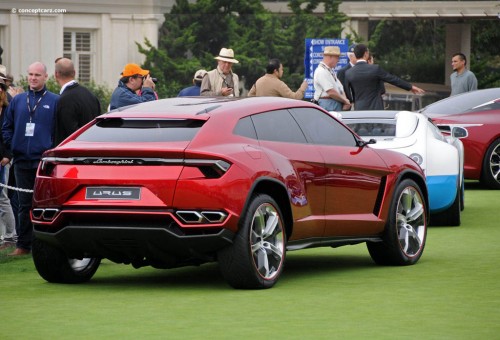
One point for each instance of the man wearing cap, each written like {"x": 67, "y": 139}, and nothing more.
{"x": 363, "y": 82}
{"x": 77, "y": 105}
{"x": 351, "y": 63}
{"x": 133, "y": 78}
{"x": 195, "y": 89}
{"x": 328, "y": 89}
{"x": 222, "y": 81}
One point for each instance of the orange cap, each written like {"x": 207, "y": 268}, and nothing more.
{"x": 133, "y": 69}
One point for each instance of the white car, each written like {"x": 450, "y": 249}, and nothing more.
{"x": 413, "y": 134}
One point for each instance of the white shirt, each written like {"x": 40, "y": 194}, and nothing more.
{"x": 69, "y": 83}
{"x": 325, "y": 79}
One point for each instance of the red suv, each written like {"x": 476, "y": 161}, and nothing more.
{"x": 185, "y": 181}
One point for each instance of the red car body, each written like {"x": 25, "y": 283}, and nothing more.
{"x": 171, "y": 183}
{"x": 479, "y": 113}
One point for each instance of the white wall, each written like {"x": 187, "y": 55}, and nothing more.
{"x": 116, "y": 26}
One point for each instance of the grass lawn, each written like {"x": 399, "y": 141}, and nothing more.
{"x": 453, "y": 292}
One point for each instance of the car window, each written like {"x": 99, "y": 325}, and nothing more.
{"x": 376, "y": 129}
{"x": 321, "y": 128}
{"x": 245, "y": 128}
{"x": 278, "y": 126}
{"x": 493, "y": 105}
{"x": 463, "y": 102}
{"x": 141, "y": 130}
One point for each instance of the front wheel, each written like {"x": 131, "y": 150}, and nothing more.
{"x": 490, "y": 175}
{"x": 405, "y": 233}
{"x": 54, "y": 266}
{"x": 256, "y": 258}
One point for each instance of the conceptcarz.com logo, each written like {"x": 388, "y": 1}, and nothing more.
{"x": 113, "y": 193}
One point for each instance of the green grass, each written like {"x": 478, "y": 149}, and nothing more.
{"x": 324, "y": 293}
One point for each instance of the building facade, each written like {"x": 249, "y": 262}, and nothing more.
{"x": 99, "y": 36}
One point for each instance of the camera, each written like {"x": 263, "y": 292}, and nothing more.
{"x": 155, "y": 80}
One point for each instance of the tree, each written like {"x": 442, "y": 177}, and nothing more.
{"x": 413, "y": 50}
{"x": 193, "y": 33}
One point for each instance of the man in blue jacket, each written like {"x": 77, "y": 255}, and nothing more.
{"x": 28, "y": 131}
{"x": 133, "y": 79}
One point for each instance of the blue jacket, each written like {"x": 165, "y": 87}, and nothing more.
{"x": 190, "y": 91}
{"x": 123, "y": 96}
{"x": 17, "y": 116}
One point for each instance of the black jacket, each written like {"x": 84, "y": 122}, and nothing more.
{"x": 363, "y": 85}
{"x": 77, "y": 106}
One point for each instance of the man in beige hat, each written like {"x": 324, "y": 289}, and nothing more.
{"x": 328, "y": 89}
{"x": 222, "y": 81}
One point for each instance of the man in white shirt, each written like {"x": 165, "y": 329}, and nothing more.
{"x": 328, "y": 89}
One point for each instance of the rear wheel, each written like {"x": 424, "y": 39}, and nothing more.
{"x": 54, "y": 266}
{"x": 255, "y": 260}
{"x": 490, "y": 174}
{"x": 405, "y": 233}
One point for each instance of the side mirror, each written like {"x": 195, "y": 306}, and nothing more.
{"x": 459, "y": 132}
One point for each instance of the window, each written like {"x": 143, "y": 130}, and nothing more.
{"x": 278, "y": 126}
{"x": 118, "y": 130}
{"x": 322, "y": 128}
{"x": 79, "y": 47}
{"x": 245, "y": 128}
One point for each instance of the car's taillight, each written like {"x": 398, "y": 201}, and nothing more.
{"x": 210, "y": 168}
{"x": 48, "y": 164}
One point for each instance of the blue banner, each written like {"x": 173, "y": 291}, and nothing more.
{"x": 314, "y": 55}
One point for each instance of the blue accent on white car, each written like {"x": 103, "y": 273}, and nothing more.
{"x": 442, "y": 191}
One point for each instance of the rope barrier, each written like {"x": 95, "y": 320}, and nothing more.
{"x": 15, "y": 188}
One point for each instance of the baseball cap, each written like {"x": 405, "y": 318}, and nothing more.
{"x": 133, "y": 69}
{"x": 199, "y": 74}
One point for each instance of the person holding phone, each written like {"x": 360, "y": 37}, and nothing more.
{"x": 222, "y": 81}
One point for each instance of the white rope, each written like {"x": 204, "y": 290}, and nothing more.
{"x": 15, "y": 189}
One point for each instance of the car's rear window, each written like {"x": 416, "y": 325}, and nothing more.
{"x": 141, "y": 130}
{"x": 387, "y": 129}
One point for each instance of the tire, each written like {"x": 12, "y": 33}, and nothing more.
{"x": 490, "y": 174}
{"x": 405, "y": 233}
{"x": 55, "y": 267}
{"x": 256, "y": 258}
{"x": 451, "y": 216}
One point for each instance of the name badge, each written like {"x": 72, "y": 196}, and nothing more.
{"x": 30, "y": 129}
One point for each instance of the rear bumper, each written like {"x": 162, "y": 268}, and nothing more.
{"x": 157, "y": 246}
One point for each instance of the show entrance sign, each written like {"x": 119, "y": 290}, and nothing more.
{"x": 314, "y": 55}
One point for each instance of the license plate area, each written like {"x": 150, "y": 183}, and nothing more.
{"x": 113, "y": 193}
